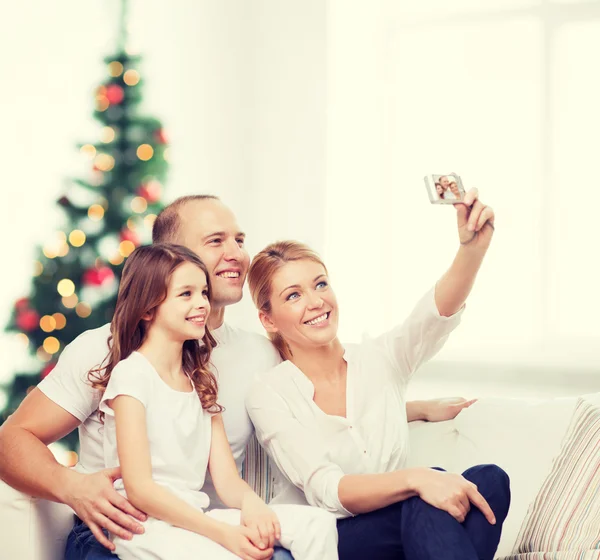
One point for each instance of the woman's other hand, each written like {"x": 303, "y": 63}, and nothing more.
{"x": 440, "y": 410}
{"x": 450, "y": 492}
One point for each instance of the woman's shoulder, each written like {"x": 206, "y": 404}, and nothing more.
{"x": 278, "y": 379}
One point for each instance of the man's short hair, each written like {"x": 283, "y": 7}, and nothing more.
{"x": 167, "y": 223}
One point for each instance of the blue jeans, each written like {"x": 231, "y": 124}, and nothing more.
{"x": 82, "y": 545}
{"x": 414, "y": 530}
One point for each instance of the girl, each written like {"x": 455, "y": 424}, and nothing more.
{"x": 333, "y": 417}
{"x": 163, "y": 427}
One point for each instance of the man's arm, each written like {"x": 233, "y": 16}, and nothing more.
{"x": 28, "y": 465}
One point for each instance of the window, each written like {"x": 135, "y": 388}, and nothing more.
{"x": 506, "y": 96}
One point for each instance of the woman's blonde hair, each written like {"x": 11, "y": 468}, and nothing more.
{"x": 144, "y": 283}
{"x": 260, "y": 278}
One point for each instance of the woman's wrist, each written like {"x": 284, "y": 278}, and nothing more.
{"x": 413, "y": 478}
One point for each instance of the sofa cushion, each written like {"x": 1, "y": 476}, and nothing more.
{"x": 564, "y": 519}
{"x": 522, "y": 436}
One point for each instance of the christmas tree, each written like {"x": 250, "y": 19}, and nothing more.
{"x": 106, "y": 216}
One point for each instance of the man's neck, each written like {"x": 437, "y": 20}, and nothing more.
{"x": 216, "y": 317}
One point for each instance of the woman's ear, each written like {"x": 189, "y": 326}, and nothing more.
{"x": 267, "y": 323}
{"x": 148, "y": 316}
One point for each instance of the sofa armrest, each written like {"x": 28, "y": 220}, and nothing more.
{"x": 32, "y": 529}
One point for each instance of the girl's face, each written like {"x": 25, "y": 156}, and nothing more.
{"x": 304, "y": 309}
{"x": 184, "y": 312}
{"x": 439, "y": 189}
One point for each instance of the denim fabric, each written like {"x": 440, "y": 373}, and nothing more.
{"x": 282, "y": 554}
{"x": 82, "y": 545}
{"x": 415, "y": 530}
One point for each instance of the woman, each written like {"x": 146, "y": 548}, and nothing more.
{"x": 333, "y": 417}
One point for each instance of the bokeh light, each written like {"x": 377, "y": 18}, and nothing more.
{"x": 66, "y": 287}
{"x": 70, "y": 301}
{"x": 104, "y": 162}
{"x": 149, "y": 220}
{"x": 77, "y": 238}
{"x": 88, "y": 150}
{"x": 96, "y": 212}
{"x": 83, "y": 309}
{"x": 116, "y": 259}
{"x": 139, "y": 204}
{"x": 115, "y": 68}
{"x": 126, "y": 248}
{"x": 107, "y": 134}
{"x": 47, "y": 323}
{"x": 51, "y": 345}
{"x": 131, "y": 77}
{"x": 38, "y": 268}
{"x": 102, "y": 103}
{"x": 60, "y": 321}
{"x": 145, "y": 152}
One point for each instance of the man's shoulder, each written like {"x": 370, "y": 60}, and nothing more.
{"x": 97, "y": 337}
{"x": 88, "y": 349}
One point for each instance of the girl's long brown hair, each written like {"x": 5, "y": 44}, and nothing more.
{"x": 144, "y": 284}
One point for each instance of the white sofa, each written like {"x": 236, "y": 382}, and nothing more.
{"x": 521, "y": 435}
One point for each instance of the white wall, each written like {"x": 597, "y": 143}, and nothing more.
{"x": 285, "y": 109}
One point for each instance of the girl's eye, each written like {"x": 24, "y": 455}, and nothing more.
{"x": 322, "y": 284}
{"x": 293, "y": 295}
{"x": 187, "y": 293}
{"x": 205, "y": 293}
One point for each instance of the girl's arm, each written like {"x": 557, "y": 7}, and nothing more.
{"x": 475, "y": 230}
{"x": 236, "y": 493}
{"x": 136, "y": 469}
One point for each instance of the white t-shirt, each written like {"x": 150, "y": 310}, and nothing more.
{"x": 178, "y": 429}
{"x": 239, "y": 356}
{"x": 314, "y": 450}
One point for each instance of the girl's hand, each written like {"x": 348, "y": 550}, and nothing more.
{"x": 240, "y": 541}
{"x": 452, "y": 493}
{"x": 475, "y": 221}
{"x": 440, "y": 410}
{"x": 261, "y": 519}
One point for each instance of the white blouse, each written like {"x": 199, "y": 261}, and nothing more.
{"x": 314, "y": 450}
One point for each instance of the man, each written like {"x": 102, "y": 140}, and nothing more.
{"x": 64, "y": 400}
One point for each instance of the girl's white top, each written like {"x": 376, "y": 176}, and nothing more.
{"x": 178, "y": 429}
{"x": 314, "y": 450}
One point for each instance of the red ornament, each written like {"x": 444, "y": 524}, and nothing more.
{"x": 98, "y": 276}
{"x": 130, "y": 235}
{"x": 151, "y": 191}
{"x": 115, "y": 94}
{"x": 28, "y": 320}
{"x": 48, "y": 369}
{"x": 160, "y": 136}
{"x": 22, "y": 304}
